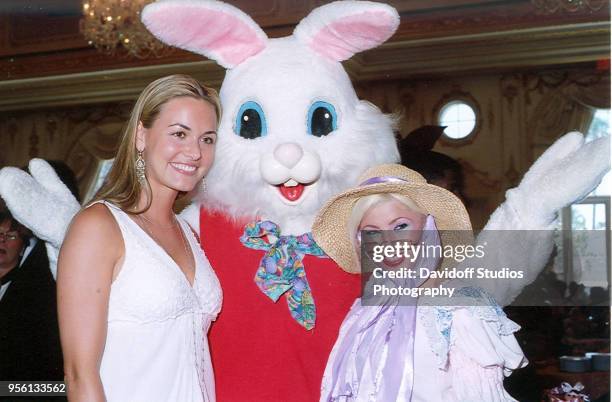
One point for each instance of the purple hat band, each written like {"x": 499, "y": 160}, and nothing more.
{"x": 383, "y": 179}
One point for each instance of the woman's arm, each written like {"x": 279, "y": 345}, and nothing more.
{"x": 88, "y": 257}
{"x": 483, "y": 350}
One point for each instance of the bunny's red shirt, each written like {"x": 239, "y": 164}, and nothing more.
{"x": 259, "y": 352}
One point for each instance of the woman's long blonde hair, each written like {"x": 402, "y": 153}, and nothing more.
{"x": 121, "y": 187}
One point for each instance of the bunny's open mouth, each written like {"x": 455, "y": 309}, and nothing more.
{"x": 292, "y": 190}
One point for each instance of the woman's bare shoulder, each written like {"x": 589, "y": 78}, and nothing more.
{"x": 96, "y": 219}
{"x": 95, "y": 228}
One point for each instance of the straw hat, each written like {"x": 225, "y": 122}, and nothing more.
{"x": 331, "y": 231}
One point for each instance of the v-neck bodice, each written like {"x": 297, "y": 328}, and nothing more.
{"x": 186, "y": 231}
{"x": 150, "y": 285}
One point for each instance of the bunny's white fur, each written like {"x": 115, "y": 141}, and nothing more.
{"x": 285, "y": 77}
{"x": 285, "y": 80}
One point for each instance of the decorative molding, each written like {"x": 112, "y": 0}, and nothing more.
{"x": 461, "y": 18}
{"x": 510, "y": 84}
{"x": 64, "y": 50}
{"x": 97, "y": 87}
{"x": 557, "y": 79}
{"x": 568, "y": 6}
{"x": 85, "y": 60}
{"x": 489, "y": 52}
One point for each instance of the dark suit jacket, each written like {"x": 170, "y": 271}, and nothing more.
{"x": 29, "y": 334}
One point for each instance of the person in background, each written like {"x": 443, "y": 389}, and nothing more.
{"x": 66, "y": 175}
{"x": 437, "y": 168}
{"x": 29, "y": 336}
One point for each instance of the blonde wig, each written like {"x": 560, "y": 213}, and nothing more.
{"x": 369, "y": 201}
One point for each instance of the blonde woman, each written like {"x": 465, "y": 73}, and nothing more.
{"x": 136, "y": 294}
{"x": 457, "y": 349}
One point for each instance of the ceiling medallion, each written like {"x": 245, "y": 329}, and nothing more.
{"x": 111, "y": 24}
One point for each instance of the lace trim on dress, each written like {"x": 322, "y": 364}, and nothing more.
{"x": 438, "y": 320}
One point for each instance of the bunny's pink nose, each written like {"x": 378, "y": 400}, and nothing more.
{"x": 288, "y": 154}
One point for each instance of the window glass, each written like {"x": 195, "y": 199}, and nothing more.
{"x": 600, "y": 127}
{"x": 459, "y": 118}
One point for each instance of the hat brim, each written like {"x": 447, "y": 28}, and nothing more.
{"x": 331, "y": 232}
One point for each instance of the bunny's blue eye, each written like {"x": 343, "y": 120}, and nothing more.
{"x": 322, "y": 119}
{"x": 250, "y": 121}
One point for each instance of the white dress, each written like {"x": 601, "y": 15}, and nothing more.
{"x": 156, "y": 343}
{"x": 462, "y": 352}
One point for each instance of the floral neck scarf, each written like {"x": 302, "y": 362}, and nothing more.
{"x": 281, "y": 270}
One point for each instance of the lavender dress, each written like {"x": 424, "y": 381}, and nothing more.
{"x": 457, "y": 352}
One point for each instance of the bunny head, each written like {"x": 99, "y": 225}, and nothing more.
{"x": 293, "y": 132}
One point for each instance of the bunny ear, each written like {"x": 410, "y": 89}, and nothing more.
{"x": 213, "y": 29}
{"x": 422, "y": 139}
{"x": 340, "y": 29}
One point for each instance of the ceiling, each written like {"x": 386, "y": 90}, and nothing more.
{"x": 45, "y": 60}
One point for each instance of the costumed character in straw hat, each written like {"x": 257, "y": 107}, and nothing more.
{"x": 293, "y": 135}
{"x": 404, "y": 348}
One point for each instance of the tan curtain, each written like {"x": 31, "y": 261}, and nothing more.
{"x": 595, "y": 96}
{"x": 570, "y": 107}
{"x": 95, "y": 145}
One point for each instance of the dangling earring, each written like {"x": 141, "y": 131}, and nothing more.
{"x": 140, "y": 167}
{"x": 203, "y": 187}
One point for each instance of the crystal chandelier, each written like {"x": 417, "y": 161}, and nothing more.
{"x": 110, "y": 24}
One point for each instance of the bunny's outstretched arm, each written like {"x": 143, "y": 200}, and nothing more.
{"x": 565, "y": 173}
{"x": 41, "y": 202}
